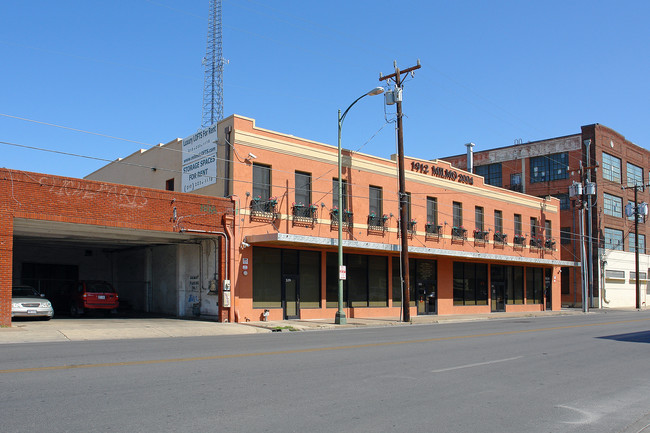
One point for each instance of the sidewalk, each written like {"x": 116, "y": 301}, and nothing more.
{"x": 316, "y": 324}
{"x": 85, "y": 329}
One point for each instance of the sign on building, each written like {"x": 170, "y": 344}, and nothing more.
{"x": 200, "y": 159}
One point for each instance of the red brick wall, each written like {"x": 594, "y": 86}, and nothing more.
{"x": 53, "y": 198}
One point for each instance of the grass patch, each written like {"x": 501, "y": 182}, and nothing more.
{"x": 282, "y": 328}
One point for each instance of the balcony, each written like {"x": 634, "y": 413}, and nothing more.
{"x": 432, "y": 231}
{"x": 536, "y": 243}
{"x": 346, "y": 217}
{"x": 264, "y": 210}
{"x": 549, "y": 244}
{"x": 481, "y": 237}
{"x": 410, "y": 228}
{"x": 458, "y": 234}
{"x": 303, "y": 215}
{"x": 377, "y": 224}
{"x": 500, "y": 239}
{"x": 519, "y": 242}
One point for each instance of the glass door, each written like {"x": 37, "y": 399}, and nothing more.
{"x": 290, "y": 296}
{"x": 498, "y": 286}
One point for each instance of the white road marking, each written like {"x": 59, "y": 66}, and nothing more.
{"x": 478, "y": 364}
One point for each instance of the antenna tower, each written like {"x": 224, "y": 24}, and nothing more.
{"x": 213, "y": 63}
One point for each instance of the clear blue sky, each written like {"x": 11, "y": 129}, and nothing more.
{"x": 492, "y": 72}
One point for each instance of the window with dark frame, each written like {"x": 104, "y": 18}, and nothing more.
{"x": 335, "y": 194}
{"x": 169, "y": 184}
{"x": 432, "y": 211}
{"x": 549, "y": 167}
{"x": 498, "y": 221}
{"x": 491, "y": 173}
{"x": 375, "y": 201}
{"x": 457, "y": 214}
{"x": 303, "y": 188}
{"x": 518, "y": 225}
{"x": 261, "y": 181}
{"x": 479, "y": 218}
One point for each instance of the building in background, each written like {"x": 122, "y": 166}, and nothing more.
{"x": 547, "y": 168}
{"x": 473, "y": 247}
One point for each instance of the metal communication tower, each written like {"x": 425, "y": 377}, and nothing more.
{"x": 213, "y": 63}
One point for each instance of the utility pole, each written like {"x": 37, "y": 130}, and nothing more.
{"x": 397, "y": 95}
{"x": 638, "y": 210}
{"x": 583, "y": 191}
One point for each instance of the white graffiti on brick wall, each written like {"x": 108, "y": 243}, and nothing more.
{"x": 126, "y": 197}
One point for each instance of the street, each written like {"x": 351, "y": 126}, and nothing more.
{"x": 579, "y": 373}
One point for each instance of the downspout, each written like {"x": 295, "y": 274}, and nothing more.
{"x": 226, "y": 189}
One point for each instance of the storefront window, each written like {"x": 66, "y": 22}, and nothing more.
{"x": 366, "y": 283}
{"x": 534, "y": 285}
{"x": 470, "y": 283}
{"x": 267, "y": 284}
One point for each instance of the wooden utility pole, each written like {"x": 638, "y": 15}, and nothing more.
{"x": 403, "y": 202}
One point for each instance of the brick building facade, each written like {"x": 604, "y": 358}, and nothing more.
{"x": 51, "y": 226}
{"x": 548, "y": 168}
{"x": 466, "y": 244}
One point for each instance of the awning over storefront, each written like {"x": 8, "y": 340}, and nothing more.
{"x": 285, "y": 239}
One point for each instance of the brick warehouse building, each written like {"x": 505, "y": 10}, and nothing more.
{"x": 547, "y": 168}
{"x": 467, "y": 247}
{"x": 164, "y": 252}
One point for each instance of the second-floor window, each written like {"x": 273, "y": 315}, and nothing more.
{"x": 432, "y": 210}
{"x": 303, "y": 188}
{"x": 458, "y": 214}
{"x": 518, "y": 226}
{"x": 375, "y": 201}
{"x": 261, "y": 181}
{"x": 335, "y": 194}
{"x": 498, "y": 221}
{"x": 611, "y": 168}
{"x": 547, "y": 229}
{"x": 479, "y": 218}
{"x": 534, "y": 230}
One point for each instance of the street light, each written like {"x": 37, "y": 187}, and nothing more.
{"x": 340, "y": 314}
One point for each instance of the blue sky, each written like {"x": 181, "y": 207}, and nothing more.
{"x": 492, "y": 72}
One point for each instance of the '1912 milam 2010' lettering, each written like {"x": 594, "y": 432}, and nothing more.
{"x": 443, "y": 173}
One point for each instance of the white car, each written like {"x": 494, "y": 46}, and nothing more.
{"x": 27, "y": 302}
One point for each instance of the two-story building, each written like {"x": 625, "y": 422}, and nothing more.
{"x": 473, "y": 247}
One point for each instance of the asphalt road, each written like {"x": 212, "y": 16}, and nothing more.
{"x": 586, "y": 373}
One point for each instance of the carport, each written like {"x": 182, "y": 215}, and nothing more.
{"x": 164, "y": 251}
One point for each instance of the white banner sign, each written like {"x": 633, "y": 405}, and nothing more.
{"x": 200, "y": 159}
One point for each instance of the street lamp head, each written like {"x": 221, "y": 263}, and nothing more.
{"x": 376, "y": 91}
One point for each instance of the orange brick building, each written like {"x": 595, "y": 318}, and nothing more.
{"x": 473, "y": 248}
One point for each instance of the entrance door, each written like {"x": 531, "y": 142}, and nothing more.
{"x": 548, "y": 272}
{"x": 426, "y": 297}
{"x": 498, "y": 282}
{"x": 498, "y": 296}
{"x": 290, "y": 296}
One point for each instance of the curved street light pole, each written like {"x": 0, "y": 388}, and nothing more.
{"x": 340, "y": 318}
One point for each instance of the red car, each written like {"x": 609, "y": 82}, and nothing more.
{"x": 93, "y": 295}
